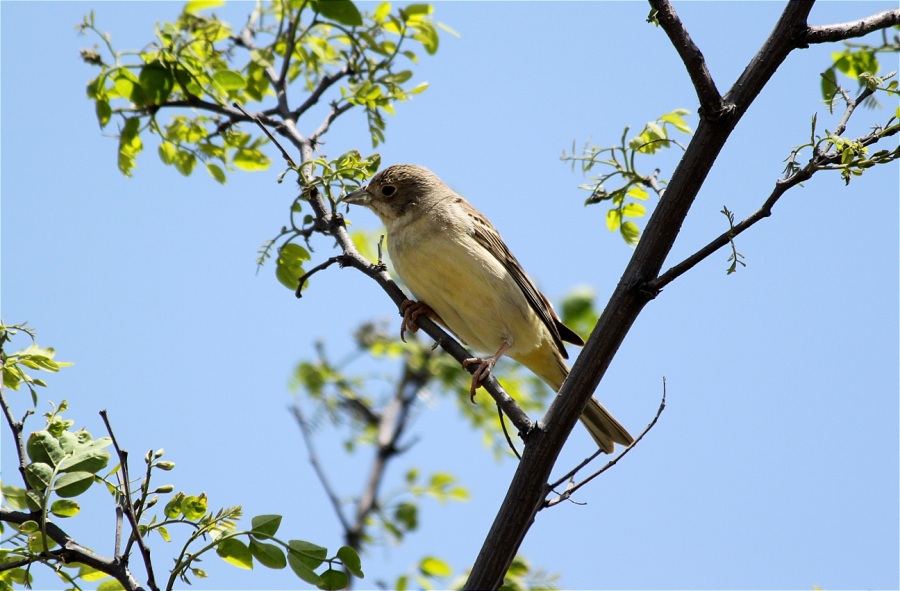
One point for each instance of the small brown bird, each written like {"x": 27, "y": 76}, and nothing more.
{"x": 465, "y": 278}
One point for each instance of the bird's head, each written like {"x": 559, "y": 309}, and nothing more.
{"x": 398, "y": 190}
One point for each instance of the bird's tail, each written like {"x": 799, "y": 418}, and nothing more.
{"x": 604, "y": 427}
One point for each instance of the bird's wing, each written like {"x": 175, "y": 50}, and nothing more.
{"x": 488, "y": 236}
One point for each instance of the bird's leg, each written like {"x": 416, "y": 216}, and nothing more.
{"x": 411, "y": 311}
{"x": 484, "y": 368}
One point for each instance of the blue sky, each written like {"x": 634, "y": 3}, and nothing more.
{"x": 776, "y": 462}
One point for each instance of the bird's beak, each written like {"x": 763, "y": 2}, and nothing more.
{"x": 358, "y": 197}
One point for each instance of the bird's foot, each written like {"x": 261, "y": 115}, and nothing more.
{"x": 411, "y": 311}
{"x": 480, "y": 374}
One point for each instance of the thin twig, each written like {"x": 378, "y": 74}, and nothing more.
{"x": 320, "y": 267}
{"x": 506, "y": 433}
{"x": 255, "y": 119}
{"x": 317, "y": 467}
{"x": 127, "y": 504}
{"x": 571, "y": 490}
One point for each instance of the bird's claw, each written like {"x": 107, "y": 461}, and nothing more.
{"x": 411, "y": 311}
{"x": 480, "y": 374}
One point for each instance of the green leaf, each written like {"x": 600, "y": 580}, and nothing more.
{"x": 350, "y": 560}
{"x": 195, "y": 6}
{"x": 634, "y": 210}
{"x": 434, "y": 567}
{"x": 341, "y": 11}
{"x": 229, "y": 80}
{"x": 235, "y": 552}
{"x": 250, "y": 159}
{"x": 333, "y": 579}
{"x": 37, "y": 541}
{"x": 39, "y": 475}
{"x": 381, "y": 12}
{"x": 90, "y": 574}
{"x": 185, "y": 162}
{"x": 29, "y": 527}
{"x": 164, "y": 533}
{"x": 636, "y": 192}
{"x": 301, "y": 570}
{"x": 173, "y": 507}
{"x": 417, "y": 9}
{"x": 42, "y": 446}
{"x": 72, "y": 484}
{"x": 91, "y": 461}
{"x": 167, "y": 152}
{"x": 265, "y": 526}
{"x": 630, "y": 232}
{"x": 129, "y": 145}
{"x": 216, "y": 172}
{"x": 128, "y": 86}
{"x": 194, "y": 507}
{"x": 408, "y": 515}
{"x": 308, "y": 553}
{"x": 613, "y": 219}
{"x": 65, "y": 508}
{"x": 110, "y": 585}
{"x": 156, "y": 82}
{"x": 14, "y": 496}
{"x": 103, "y": 111}
{"x": 679, "y": 123}
{"x": 268, "y": 555}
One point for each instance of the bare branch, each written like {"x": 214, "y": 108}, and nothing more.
{"x": 570, "y": 490}
{"x": 848, "y": 30}
{"x": 711, "y": 104}
{"x": 16, "y": 427}
{"x": 336, "y": 111}
{"x": 317, "y": 467}
{"x": 127, "y": 504}
{"x": 324, "y": 84}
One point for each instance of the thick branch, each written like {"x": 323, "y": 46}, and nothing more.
{"x": 710, "y": 100}
{"x": 526, "y": 492}
{"x": 864, "y": 26}
{"x": 72, "y": 552}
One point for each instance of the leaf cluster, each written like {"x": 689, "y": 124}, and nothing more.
{"x": 59, "y": 464}
{"x": 200, "y": 65}
{"x": 618, "y": 163}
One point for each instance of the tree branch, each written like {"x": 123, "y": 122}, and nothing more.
{"x": 72, "y": 552}
{"x": 571, "y": 474}
{"x": 127, "y": 505}
{"x": 527, "y": 489}
{"x": 711, "y": 104}
{"x": 317, "y": 467}
{"x": 816, "y": 163}
{"x": 848, "y": 30}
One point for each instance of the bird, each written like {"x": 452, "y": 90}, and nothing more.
{"x": 464, "y": 277}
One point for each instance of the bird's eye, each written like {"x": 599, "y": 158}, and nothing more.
{"x": 388, "y": 190}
